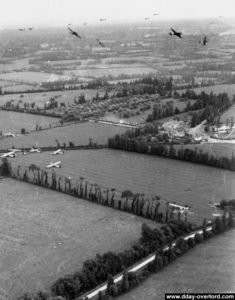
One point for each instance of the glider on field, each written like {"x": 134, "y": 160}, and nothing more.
{"x": 180, "y": 208}
{"x": 9, "y": 154}
{"x": 176, "y": 33}
{"x": 58, "y": 151}
{"x": 9, "y": 134}
{"x": 33, "y": 150}
{"x": 204, "y": 41}
{"x": 102, "y": 20}
{"x": 100, "y": 43}
{"x": 72, "y": 32}
{"x": 54, "y": 165}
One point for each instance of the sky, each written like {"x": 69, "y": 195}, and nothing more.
{"x": 44, "y": 13}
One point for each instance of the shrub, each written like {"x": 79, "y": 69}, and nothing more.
{"x": 198, "y": 238}
{"x": 191, "y": 242}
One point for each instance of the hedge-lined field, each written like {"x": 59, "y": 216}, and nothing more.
{"x": 46, "y": 235}
{"x": 208, "y": 268}
{"x": 185, "y": 183}
{"x": 13, "y": 121}
{"x": 78, "y": 133}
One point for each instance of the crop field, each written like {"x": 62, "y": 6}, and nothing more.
{"x": 32, "y": 77}
{"x": 46, "y": 235}
{"x": 208, "y": 268}
{"x": 42, "y": 97}
{"x": 13, "y": 121}
{"x": 183, "y": 182}
{"x": 78, "y": 133}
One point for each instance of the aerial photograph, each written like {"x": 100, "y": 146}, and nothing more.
{"x": 117, "y": 149}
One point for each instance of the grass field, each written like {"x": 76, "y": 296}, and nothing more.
{"x": 79, "y": 134}
{"x": 183, "y": 182}
{"x": 13, "y": 121}
{"x": 208, "y": 268}
{"x": 41, "y": 98}
{"x": 228, "y": 114}
{"x": 46, "y": 235}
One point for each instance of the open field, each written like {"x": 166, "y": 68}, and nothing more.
{"x": 46, "y": 235}
{"x": 42, "y": 97}
{"x": 13, "y": 121}
{"x": 208, "y": 268}
{"x": 32, "y": 77}
{"x": 78, "y": 133}
{"x": 183, "y": 182}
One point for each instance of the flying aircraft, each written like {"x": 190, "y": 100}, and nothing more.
{"x": 9, "y": 154}
{"x": 102, "y": 20}
{"x": 155, "y": 14}
{"x": 30, "y": 28}
{"x": 32, "y": 150}
{"x": 54, "y": 165}
{"x": 72, "y": 32}
{"x": 58, "y": 151}
{"x": 85, "y": 23}
{"x": 204, "y": 41}
{"x": 100, "y": 43}
{"x": 21, "y": 29}
{"x": 147, "y": 18}
{"x": 176, "y": 33}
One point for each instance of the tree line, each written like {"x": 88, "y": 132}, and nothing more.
{"x": 166, "y": 242}
{"x": 132, "y": 141}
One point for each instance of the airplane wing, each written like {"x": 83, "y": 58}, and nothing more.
{"x": 173, "y": 30}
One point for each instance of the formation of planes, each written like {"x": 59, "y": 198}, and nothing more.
{"x": 12, "y": 153}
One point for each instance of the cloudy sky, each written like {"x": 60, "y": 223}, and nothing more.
{"x": 61, "y": 12}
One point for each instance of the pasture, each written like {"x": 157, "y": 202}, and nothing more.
{"x": 172, "y": 180}
{"x": 13, "y": 121}
{"x": 228, "y": 113}
{"x": 78, "y": 133}
{"x": 209, "y": 267}
{"x": 41, "y": 98}
{"x": 46, "y": 235}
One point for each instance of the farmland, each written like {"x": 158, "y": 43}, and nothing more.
{"x": 185, "y": 183}
{"x": 14, "y": 121}
{"x": 210, "y": 267}
{"x": 39, "y": 243}
{"x": 78, "y": 133}
{"x": 42, "y": 97}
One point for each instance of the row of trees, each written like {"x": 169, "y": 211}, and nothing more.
{"x": 153, "y": 208}
{"x": 140, "y": 145}
{"x": 153, "y": 241}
